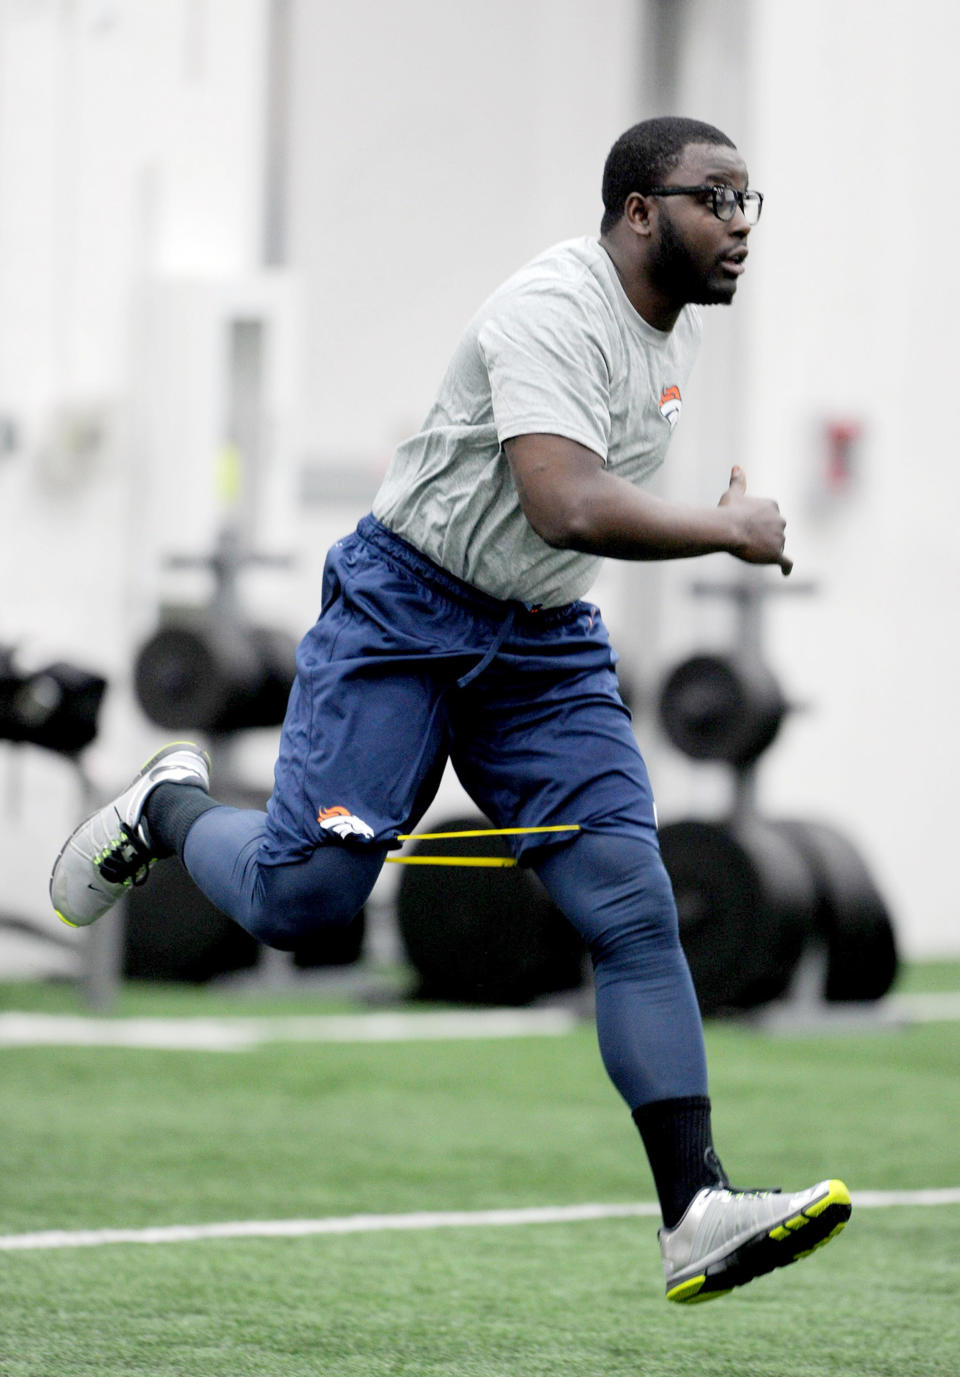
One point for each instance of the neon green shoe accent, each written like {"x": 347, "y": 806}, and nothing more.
{"x": 836, "y": 1195}
{"x": 66, "y": 920}
{"x": 687, "y": 1289}
{"x": 690, "y": 1292}
{"x": 785, "y": 1229}
{"x": 832, "y": 1234}
{"x": 163, "y": 751}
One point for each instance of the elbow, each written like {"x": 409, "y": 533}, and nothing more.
{"x": 563, "y": 527}
{"x": 557, "y": 529}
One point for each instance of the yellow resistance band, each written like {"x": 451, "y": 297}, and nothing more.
{"x": 499, "y": 861}
{"x": 452, "y": 860}
{"x": 487, "y": 832}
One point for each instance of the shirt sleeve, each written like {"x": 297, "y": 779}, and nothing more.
{"x": 549, "y": 367}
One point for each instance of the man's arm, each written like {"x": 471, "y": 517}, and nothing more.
{"x": 574, "y": 503}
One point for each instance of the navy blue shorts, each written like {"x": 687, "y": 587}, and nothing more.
{"x": 408, "y": 666}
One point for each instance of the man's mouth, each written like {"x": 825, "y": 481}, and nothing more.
{"x": 734, "y": 263}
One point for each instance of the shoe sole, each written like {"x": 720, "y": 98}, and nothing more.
{"x": 795, "y": 1238}
{"x": 159, "y": 755}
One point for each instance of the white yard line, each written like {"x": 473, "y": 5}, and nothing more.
{"x": 18, "y": 1029}
{"x": 242, "y": 1034}
{"x": 386, "y": 1223}
{"x": 925, "y": 1008}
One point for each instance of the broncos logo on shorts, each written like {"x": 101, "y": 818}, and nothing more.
{"x": 343, "y": 823}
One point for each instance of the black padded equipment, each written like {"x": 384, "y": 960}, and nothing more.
{"x": 722, "y": 707}
{"x": 746, "y": 901}
{"x": 483, "y": 936}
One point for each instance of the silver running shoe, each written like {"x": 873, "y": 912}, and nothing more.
{"x": 111, "y": 850}
{"x": 728, "y": 1237}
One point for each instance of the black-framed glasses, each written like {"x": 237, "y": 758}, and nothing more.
{"x": 725, "y": 199}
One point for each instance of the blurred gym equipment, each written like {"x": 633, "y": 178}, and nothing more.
{"x": 759, "y": 898}
{"x": 483, "y": 935}
{"x": 746, "y": 905}
{"x": 209, "y": 670}
{"x": 55, "y": 706}
{"x": 722, "y": 707}
{"x": 202, "y": 674}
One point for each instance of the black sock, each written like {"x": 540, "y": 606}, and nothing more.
{"x": 679, "y": 1144}
{"x": 170, "y": 812}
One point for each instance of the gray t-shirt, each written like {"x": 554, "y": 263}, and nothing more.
{"x": 557, "y": 350}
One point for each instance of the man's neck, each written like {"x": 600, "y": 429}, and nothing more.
{"x": 646, "y": 300}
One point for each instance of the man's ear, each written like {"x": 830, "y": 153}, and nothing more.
{"x": 636, "y": 212}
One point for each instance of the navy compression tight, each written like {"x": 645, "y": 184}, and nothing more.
{"x": 613, "y": 889}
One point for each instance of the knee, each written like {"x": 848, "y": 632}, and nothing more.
{"x": 635, "y": 915}
{"x": 611, "y": 885}
{"x": 296, "y": 903}
{"x": 292, "y": 926}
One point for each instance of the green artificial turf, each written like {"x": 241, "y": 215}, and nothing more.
{"x": 105, "y": 1137}
{"x": 580, "y": 1299}
{"x": 98, "y": 1137}
{"x": 348, "y": 990}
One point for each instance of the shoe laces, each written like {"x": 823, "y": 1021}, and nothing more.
{"x": 128, "y": 861}
{"x": 759, "y": 1192}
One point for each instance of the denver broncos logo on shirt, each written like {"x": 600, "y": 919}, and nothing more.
{"x": 671, "y": 405}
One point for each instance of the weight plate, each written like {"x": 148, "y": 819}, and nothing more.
{"x": 721, "y": 707}
{"x": 851, "y": 916}
{"x": 483, "y": 936}
{"x": 746, "y": 902}
{"x": 207, "y": 675}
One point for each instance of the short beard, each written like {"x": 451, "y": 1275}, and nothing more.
{"x": 674, "y": 271}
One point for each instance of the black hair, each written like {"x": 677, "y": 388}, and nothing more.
{"x": 643, "y": 156}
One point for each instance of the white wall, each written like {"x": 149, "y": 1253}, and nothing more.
{"x": 130, "y": 139}
{"x": 435, "y": 147}
{"x": 853, "y": 303}
{"x": 131, "y": 149}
